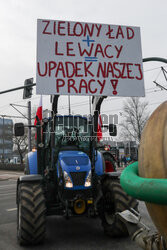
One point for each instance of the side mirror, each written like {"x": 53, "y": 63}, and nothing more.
{"x": 19, "y": 129}
{"x": 112, "y": 130}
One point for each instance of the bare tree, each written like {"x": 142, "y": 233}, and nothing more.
{"x": 135, "y": 115}
{"x": 21, "y": 144}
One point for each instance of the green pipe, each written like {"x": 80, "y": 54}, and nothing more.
{"x": 145, "y": 189}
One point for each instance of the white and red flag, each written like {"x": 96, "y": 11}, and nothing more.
{"x": 39, "y": 111}
{"x": 39, "y": 114}
{"x": 99, "y": 129}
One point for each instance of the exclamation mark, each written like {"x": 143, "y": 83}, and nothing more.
{"x": 114, "y": 84}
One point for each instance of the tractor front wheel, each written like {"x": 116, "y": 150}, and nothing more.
{"x": 115, "y": 200}
{"x": 30, "y": 214}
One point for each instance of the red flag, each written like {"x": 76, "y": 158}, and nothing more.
{"x": 99, "y": 129}
{"x": 39, "y": 114}
{"x": 39, "y": 111}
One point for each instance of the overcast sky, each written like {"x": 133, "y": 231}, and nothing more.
{"x": 18, "y": 28}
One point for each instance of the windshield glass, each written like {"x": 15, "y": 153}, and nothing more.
{"x": 72, "y": 131}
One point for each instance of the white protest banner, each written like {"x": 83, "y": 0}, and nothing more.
{"x": 75, "y": 58}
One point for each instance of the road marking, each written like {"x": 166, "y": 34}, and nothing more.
{"x": 5, "y": 198}
{"x": 11, "y": 209}
{"x": 7, "y": 194}
{"x": 4, "y": 186}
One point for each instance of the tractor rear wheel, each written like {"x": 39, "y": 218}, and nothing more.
{"x": 115, "y": 200}
{"x": 30, "y": 214}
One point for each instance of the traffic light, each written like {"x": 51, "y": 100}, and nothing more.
{"x": 19, "y": 129}
{"x": 27, "y": 93}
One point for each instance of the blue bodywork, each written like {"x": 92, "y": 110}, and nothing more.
{"x": 77, "y": 161}
{"x": 70, "y": 161}
{"x": 99, "y": 164}
{"x": 74, "y": 161}
{"x": 32, "y": 162}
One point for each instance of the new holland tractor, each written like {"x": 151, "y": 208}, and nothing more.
{"x": 68, "y": 176}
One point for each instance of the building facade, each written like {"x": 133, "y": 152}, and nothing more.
{"x": 6, "y": 139}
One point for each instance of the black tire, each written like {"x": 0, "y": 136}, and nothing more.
{"x": 115, "y": 200}
{"x": 30, "y": 214}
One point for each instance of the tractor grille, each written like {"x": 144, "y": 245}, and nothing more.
{"x": 78, "y": 178}
{"x": 76, "y": 161}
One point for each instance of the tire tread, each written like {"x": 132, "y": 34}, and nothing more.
{"x": 33, "y": 209}
{"x": 121, "y": 201}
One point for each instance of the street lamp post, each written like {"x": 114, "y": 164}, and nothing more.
{"x": 29, "y": 126}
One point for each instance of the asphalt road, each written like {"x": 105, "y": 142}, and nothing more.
{"x": 82, "y": 233}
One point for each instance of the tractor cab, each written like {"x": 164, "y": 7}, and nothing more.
{"x": 72, "y": 133}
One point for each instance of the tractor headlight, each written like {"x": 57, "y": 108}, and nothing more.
{"x": 67, "y": 180}
{"x": 88, "y": 180}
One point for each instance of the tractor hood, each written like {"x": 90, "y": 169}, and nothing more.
{"x": 74, "y": 161}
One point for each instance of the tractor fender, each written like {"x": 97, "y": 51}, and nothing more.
{"x": 30, "y": 178}
{"x": 104, "y": 152}
{"x": 108, "y": 156}
{"x": 99, "y": 164}
{"x": 31, "y": 163}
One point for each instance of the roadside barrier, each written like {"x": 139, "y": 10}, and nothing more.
{"x": 12, "y": 167}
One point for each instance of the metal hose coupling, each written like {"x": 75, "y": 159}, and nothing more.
{"x": 140, "y": 233}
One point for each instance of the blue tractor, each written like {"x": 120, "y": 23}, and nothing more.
{"x": 68, "y": 176}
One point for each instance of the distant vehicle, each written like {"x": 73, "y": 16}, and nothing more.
{"x": 15, "y": 160}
